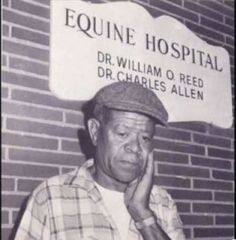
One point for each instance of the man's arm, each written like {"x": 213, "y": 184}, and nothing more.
{"x": 35, "y": 222}
{"x": 153, "y": 232}
{"x": 137, "y": 197}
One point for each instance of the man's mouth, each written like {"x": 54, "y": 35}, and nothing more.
{"x": 131, "y": 164}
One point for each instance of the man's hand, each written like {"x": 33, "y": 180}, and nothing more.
{"x": 136, "y": 197}
{"x": 137, "y": 193}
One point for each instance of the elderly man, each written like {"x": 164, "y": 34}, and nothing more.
{"x": 111, "y": 196}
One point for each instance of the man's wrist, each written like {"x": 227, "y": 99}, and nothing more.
{"x": 145, "y": 222}
{"x": 140, "y": 214}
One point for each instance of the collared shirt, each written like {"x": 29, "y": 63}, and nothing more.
{"x": 70, "y": 207}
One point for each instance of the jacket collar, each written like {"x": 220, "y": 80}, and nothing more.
{"x": 82, "y": 178}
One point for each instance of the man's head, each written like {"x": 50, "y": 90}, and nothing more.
{"x": 122, "y": 129}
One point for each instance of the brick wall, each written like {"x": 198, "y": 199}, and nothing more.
{"x": 39, "y": 131}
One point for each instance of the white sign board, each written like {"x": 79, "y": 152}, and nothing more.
{"x": 93, "y": 45}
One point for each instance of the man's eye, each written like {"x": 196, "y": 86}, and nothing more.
{"x": 122, "y": 134}
{"x": 146, "y": 139}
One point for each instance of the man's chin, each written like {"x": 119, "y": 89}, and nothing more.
{"x": 126, "y": 175}
{"x": 126, "y": 179}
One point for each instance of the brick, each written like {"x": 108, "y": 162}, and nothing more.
{"x": 232, "y": 61}
{"x": 31, "y": 8}
{"x": 46, "y": 157}
{"x": 155, "y": 13}
{"x": 212, "y": 208}
{"x": 24, "y": 50}
{"x": 210, "y": 41}
{"x": 205, "y": 31}
{"x": 170, "y": 157}
{"x": 224, "y": 132}
{"x": 208, "y": 184}
{"x": 213, "y": 232}
{"x": 13, "y": 200}
{"x": 224, "y": 196}
{"x": 5, "y": 217}
{"x": 177, "y": 2}
{"x": 26, "y": 21}
{"x": 28, "y": 35}
{"x": 27, "y": 185}
{"x": 7, "y": 184}
{"x": 193, "y": 126}
{"x": 230, "y": 50}
{"x": 220, "y": 153}
{"x": 229, "y": 40}
{"x": 31, "y": 111}
{"x": 74, "y": 118}
{"x": 174, "y": 9}
{"x": 183, "y": 171}
{"x": 172, "y": 181}
{"x": 223, "y": 175}
{"x": 4, "y": 60}
{"x": 3, "y": 153}
{"x": 5, "y": 3}
{"x": 183, "y": 207}
{"x": 230, "y": 3}
{"x": 66, "y": 170}
{"x": 29, "y": 66}
{"x": 202, "y": 10}
{"x": 45, "y": 99}
{"x": 4, "y": 92}
{"x": 5, "y": 233}
{"x": 16, "y": 215}
{"x": 216, "y": 25}
{"x": 29, "y": 141}
{"x": 190, "y": 195}
{"x": 24, "y": 80}
{"x": 187, "y": 232}
{"x": 196, "y": 220}
{"x": 41, "y": 128}
{"x": 217, "y": 7}
{"x": 71, "y": 146}
{"x": 208, "y": 162}
{"x": 45, "y": 2}
{"x": 224, "y": 220}
{"x": 209, "y": 140}
{"x": 15, "y": 169}
{"x": 5, "y": 30}
{"x": 230, "y": 22}
{"x": 179, "y": 147}
{"x": 232, "y": 144}
{"x": 172, "y": 134}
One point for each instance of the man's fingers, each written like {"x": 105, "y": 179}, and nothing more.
{"x": 149, "y": 168}
{"x": 131, "y": 186}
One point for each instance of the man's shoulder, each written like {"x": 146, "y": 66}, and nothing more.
{"x": 52, "y": 186}
{"x": 161, "y": 196}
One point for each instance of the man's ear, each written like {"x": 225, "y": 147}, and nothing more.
{"x": 93, "y": 127}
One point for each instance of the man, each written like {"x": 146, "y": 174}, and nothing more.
{"x": 112, "y": 195}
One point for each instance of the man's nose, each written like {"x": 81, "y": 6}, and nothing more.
{"x": 133, "y": 145}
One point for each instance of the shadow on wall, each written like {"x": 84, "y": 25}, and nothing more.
{"x": 18, "y": 219}
{"x": 85, "y": 142}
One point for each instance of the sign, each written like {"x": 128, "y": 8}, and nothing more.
{"x": 93, "y": 45}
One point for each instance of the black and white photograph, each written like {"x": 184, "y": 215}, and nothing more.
{"x": 117, "y": 120}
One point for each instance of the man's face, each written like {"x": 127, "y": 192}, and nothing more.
{"x": 123, "y": 145}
